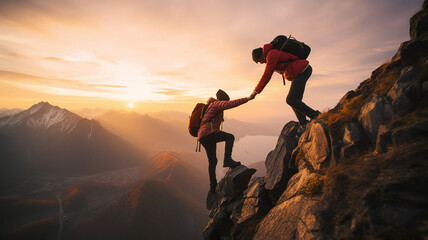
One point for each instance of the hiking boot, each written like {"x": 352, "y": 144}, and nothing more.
{"x": 229, "y": 162}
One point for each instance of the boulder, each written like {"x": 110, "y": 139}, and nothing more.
{"x": 212, "y": 200}
{"x": 296, "y": 185}
{"x": 217, "y": 226}
{"x": 234, "y": 183}
{"x": 278, "y": 160}
{"x": 255, "y": 206}
{"x": 375, "y": 112}
{"x": 419, "y": 23}
{"x": 292, "y": 219}
{"x": 226, "y": 203}
{"x": 405, "y": 92}
{"x": 354, "y": 140}
{"x": 414, "y": 132}
{"x": 314, "y": 147}
{"x": 413, "y": 50}
{"x": 349, "y": 95}
{"x": 383, "y": 139}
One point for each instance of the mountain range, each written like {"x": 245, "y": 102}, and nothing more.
{"x": 46, "y": 139}
{"x": 151, "y": 210}
{"x": 169, "y": 193}
{"x": 168, "y": 130}
{"x": 68, "y": 177}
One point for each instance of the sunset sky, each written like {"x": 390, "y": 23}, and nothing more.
{"x": 156, "y": 55}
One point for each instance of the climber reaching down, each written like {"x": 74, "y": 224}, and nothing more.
{"x": 294, "y": 69}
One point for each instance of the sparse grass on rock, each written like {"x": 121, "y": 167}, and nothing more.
{"x": 347, "y": 110}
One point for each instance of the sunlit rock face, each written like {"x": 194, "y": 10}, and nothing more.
{"x": 361, "y": 179}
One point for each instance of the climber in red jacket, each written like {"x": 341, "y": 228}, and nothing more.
{"x": 209, "y": 133}
{"x": 297, "y": 70}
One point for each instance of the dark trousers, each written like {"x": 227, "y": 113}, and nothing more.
{"x": 295, "y": 96}
{"x": 210, "y": 144}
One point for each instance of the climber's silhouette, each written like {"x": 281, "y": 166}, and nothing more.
{"x": 209, "y": 133}
{"x": 294, "y": 69}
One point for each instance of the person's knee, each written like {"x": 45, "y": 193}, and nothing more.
{"x": 231, "y": 137}
{"x": 290, "y": 100}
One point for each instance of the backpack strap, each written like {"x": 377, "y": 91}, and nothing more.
{"x": 283, "y": 45}
{"x": 288, "y": 61}
{"x": 198, "y": 144}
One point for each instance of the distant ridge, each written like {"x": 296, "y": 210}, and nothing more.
{"x": 56, "y": 140}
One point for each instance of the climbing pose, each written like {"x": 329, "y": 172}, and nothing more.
{"x": 293, "y": 69}
{"x": 209, "y": 133}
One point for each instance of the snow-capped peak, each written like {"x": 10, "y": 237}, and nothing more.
{"x": 43, "y": 116}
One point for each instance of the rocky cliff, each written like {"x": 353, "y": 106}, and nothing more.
{"x": 357, "y": 172}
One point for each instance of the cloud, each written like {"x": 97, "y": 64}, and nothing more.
{"x": 34, "y": 15}
{"x": 34, "y": 82}
{"x": 171, "y": 91}
{"x": 9, "y": 53}
{"x": 55, "y": 59}
{"x": 179, "y": 49}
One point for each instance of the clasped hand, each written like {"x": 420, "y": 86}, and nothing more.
{"x": 252, "y": 96}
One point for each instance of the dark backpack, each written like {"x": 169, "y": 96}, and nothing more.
{"x": 291, "y": 45}
{"x": 195, "y": 118}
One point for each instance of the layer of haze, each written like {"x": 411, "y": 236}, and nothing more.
{"x": 168, "y": 54}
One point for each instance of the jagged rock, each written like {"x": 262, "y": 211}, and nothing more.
{"x": 235, "y": 181}
{"x": 349, "y": 95}
{"x": 374, "y": 196}
{"x": 383, "y": 138}
{"x": 419, "y": 23}
{"x": 292, "y": 219}
{"x": 227, "y": 202}
{"x": 414, "y": 132}
{"x": 375, "y": 112}
{"x": 411, "y": 51}
{"x": 405, "y": 92}
{"x": 255, "y": 206}
{"x": 354, "y": 140}
{"x": 278, "y": 160}
{"x": 212, "y": 200}
{"x": 295, "y": 185}
{"x": 219, "y": 224}
{"x": 314, "y": 147}
{"x": 256, "y": 201}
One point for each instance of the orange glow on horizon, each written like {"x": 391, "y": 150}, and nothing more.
{"x": 77, "y": 54}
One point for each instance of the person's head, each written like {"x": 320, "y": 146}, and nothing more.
{"x": 222, "y": 95}
{"x": 258, "y": 55}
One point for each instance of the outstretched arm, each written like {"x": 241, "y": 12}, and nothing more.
{"x": 224, "y": 105}
{"x": 271, "y": 62}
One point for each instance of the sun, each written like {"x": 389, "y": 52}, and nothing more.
{"x": 130, "y": 105}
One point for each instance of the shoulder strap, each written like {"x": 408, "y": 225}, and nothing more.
{"x": 283, "y": 45}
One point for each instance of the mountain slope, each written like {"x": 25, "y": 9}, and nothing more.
{"x": 170, "y": 168}
{"x": 169, "y": 131}
{"x": 358, "y": 172}
{"x": 151, "y": 210}
{"x": 7, "y": 112}
{"x": 57, "y": 140}
{"x": 13, "y": 165}
{"x": 148, "y": 132}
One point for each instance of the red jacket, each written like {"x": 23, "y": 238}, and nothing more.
{"x": 215, "y": 112}
{"x": 274, "y": 57}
